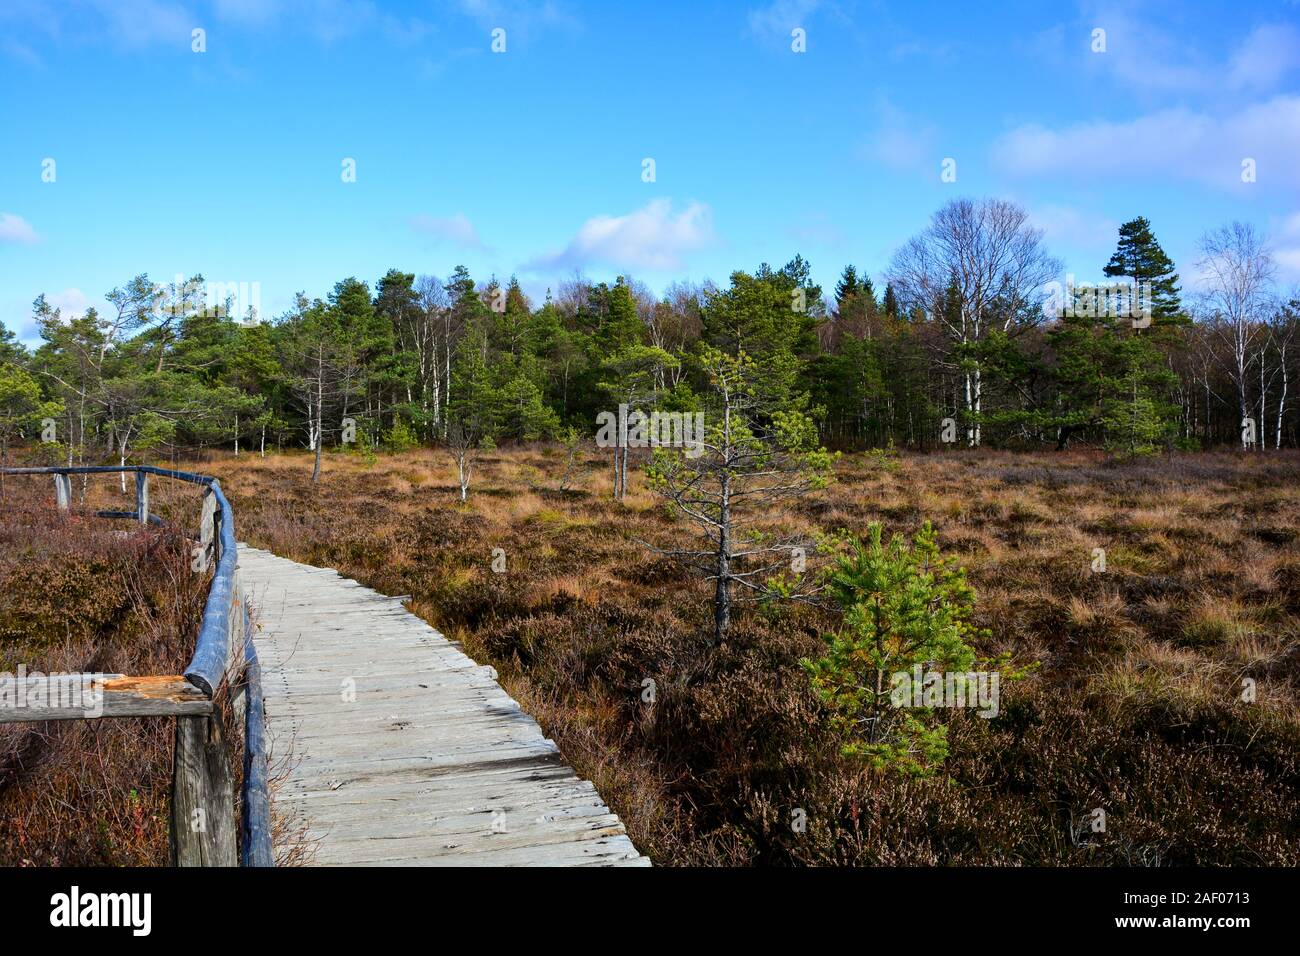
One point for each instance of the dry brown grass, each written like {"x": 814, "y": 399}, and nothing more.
{"x": 1137, "y": 705}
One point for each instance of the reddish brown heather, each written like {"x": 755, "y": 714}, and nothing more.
{"x": 1136, "y": 708}
{"x": 85, "y": 594}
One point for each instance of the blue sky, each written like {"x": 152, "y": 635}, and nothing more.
{"x": 229, "y": 162}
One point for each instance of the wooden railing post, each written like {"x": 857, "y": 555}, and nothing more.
{"x": 208, "y": 540}
{"x": 63, "y": 491}
{"x": 142, "y": 496}
{"x": 203, "y": 800}
{"x": 256, "y": 848}
{"x": 235, "y": 663}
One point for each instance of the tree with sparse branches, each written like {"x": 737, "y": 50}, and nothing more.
{"x": 752, "y": 459}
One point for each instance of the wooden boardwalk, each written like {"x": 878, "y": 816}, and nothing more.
{"x": 403, "y": 751}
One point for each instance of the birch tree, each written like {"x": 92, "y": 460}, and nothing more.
{"x": 994, "y": 261}
{"x": 1238, "y": 270}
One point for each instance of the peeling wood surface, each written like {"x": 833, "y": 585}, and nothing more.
{"x": 89, "y": 696}
{"x": 403, "y": 750}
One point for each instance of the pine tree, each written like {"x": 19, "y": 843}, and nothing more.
{"x": 21, "y": 408}
{"x": 891, "y": 302}
{"x": 868, "y": 292}
{"x": 1111, "y": 379}
{"x": 907, "y": 610}
{"x": 847, "y": 287}
{"x": 1139, "y": 257}
{"x": 754, "y": 459}
{"x": 758, "y": 315}
{"x": 11, "y": 350}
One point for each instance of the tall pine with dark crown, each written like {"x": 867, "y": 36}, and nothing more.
{"x": 847, "y": 287}
{"x": 890, "y": 304}
{"x": 1139, "y": 256}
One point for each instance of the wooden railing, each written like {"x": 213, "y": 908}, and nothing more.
{"x": 202, "y": 807}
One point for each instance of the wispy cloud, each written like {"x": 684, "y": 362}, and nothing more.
{"x": 651, "y": 238}
{"x": 456, "y": 229}
{"x": 899, "y": 140}
{"x": 522, "y": 20}
{"x": 774, "y": 21}
{"x": 1286, "y": 250}
{"x": 1268, "y": 55}
{"x": 1150, "y": 57}
{"x": 1140, "y": 51}
{"x": 18, "y": 51}
{"x": 1177, "y": 143}
{"x": 140, "y": 24}
{"x": 1081, "y": 228}
{"x": 14, "y": 228}
{"x": 817, "y": 229}
{"x": 71, "y": 303}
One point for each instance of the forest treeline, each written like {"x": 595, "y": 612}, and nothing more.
{"x": 973, "y": 335}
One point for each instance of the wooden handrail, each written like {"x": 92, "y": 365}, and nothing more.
{"x": 202, "y": 804}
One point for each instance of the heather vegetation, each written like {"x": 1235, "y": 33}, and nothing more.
{"x": 79, "y": 596}
{"x": 1131, "y": 697}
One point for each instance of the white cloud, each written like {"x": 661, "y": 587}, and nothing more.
{"x": 901, "y": 141}
{"x": 455, "y": 229}
{"x": 773, "y": 23}
{"x": 1270, "y": 53}
{"x": 14, "y": 228}
{"x": 127, "y": 24}
{"x": 12, "y": 48}
{"x": 817, "y": 229}
{"x": 1152, "y": 57}
{"x": 519, "y": 18}
{"x": 1069, "y": 224}
{"x": 1140, "y": 53}
{"x": 1177, "y": 143}
{"x": 1288, "y": 263}
{"x": 326, "y": 20}
{"x": 70, "y": 302}
{"x": 651, "y": 238}
{"x": 139, "y": 23}
{"x": 247, "y": 11}
{"x": 1286, "y": 251}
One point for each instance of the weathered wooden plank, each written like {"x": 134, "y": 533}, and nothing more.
{"x": 379, "y": 853}
{"x": 235, "y": 658}
{"x": 92, "y": 696}
{"x": 255, "y": 845}
{"x": 527, "y": 808}
{"x": 383, "y": 677}
{"x": 488, "y": 828}
{"x": 142, "y": 496}
{"x": 203, "y": 801}
{"x": 63, "y": 491}
{"x": 208, "y": 531}
{"x": 373, "y": 765}
{"x": 411, "y": 757}
{"x": 480, "y": 780}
